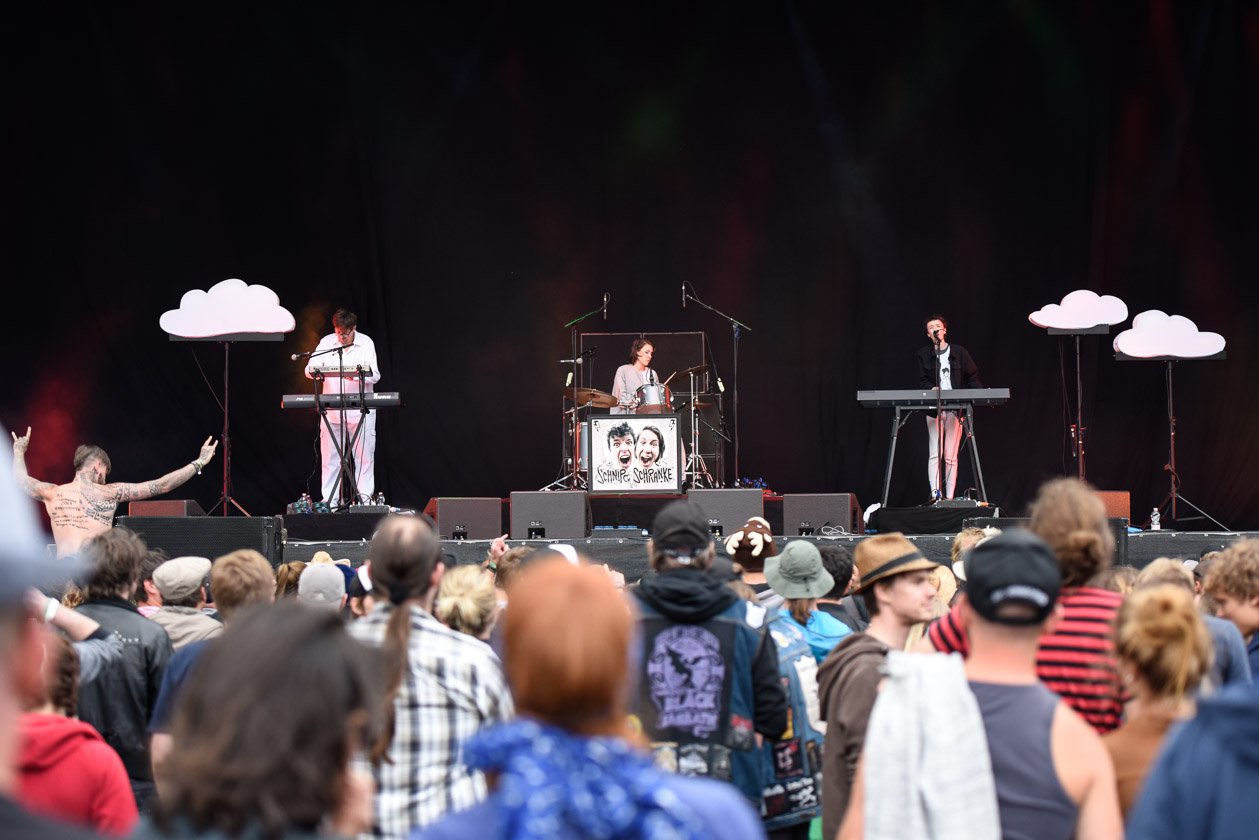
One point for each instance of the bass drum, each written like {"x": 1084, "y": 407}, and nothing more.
{"x": 654, "y": 399}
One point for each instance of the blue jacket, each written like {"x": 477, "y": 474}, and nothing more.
{"x": 792, "y": 764}
{"x": 707, "y": 679}
{"x": 1203, "y": 784}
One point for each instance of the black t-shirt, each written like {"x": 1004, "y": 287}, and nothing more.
{"x": 20, "y": 824}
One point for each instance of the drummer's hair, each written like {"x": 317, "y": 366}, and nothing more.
{"x": 345, "y": 319}
{"x": 639, "y": 344}
{"x": 620, "y": 430}
{"x": 659, "y": 437}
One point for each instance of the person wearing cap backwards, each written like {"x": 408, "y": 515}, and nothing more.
{"x": 708, "y": 674}
{"x": 1054, "y": 777}
{"x": 181, "y": 582}
{"x": 896, "y": 590}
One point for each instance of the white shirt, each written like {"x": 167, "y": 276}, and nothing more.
{"x": 946, "y": 382}
{"x": 363, "y": 352}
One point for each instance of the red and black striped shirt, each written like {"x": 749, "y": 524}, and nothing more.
{"x": 1076, "y": 661}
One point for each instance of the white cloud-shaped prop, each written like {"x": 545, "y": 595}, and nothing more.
{"x": 1156, "y": 333}
{"x": 1080, "y": 310}
{"x": 228, "y": 308}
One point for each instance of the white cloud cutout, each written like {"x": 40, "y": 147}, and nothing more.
{"x": 1156, "y": 333}
{"x": 1080, "y": 310}
{"x": 229, "y": 307}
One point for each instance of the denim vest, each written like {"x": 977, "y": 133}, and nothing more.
{"x": 694, "y": 699}
{"x": 792, "y": 765}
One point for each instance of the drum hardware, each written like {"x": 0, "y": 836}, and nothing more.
{"x": 653, "y": 399}
{"x": 571, "y": 473}
{"x": 695, "y": 466}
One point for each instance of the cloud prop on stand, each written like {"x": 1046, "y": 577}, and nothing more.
{"x": 230, "y": 307}
{"x": 1156, "y": 333}
{"x": 1080, "y": 310}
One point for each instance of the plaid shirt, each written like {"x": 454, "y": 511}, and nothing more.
{"x": 453, "y": 687}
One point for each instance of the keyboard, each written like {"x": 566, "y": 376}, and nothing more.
{"x": 375, "y": 399}
{"x": 926, "y": 398}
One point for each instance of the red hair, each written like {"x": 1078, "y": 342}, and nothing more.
{"x": 567, "y": 634}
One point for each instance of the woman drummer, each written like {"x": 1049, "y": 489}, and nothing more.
{"x": 630, "y": 378}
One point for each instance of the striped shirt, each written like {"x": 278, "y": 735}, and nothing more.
{"x": 452, "y": 687}
{"x": 1076, "y": 661}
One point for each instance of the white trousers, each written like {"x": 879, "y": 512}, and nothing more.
{"x": 364, "y": 453}
{"x": 951, "y": 425}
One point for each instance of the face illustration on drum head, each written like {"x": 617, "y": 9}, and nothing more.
{"x": 650, "y": 446}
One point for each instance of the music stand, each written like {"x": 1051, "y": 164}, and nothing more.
{"x": 226, "y": 439}
{"x": 1173, "y": 494}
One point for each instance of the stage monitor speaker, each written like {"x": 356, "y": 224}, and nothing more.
{"x": 1117, "y": 502}
{"x": 1118, "y": 527}
{"x": 728, "y": 510}
{"x": 468, "y": 518}
{"x": 165, "y": 507}
{"x": 808, "y": 514}
{"x": 211, "y": 536}
{"x": 550, "y": 515}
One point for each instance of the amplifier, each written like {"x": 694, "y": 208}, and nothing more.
{"x": 210, "y": 536}
{"x": 728, "y": 510}
{"x": 165, "y": 507}
{"x": 1118, "y": 527}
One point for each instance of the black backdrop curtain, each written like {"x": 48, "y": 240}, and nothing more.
{"x": 468, "y": 177}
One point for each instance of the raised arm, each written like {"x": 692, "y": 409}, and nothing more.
{"x": 124, "y": 492}
{"x": 41, "y": 490}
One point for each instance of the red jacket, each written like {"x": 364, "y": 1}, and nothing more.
{"x": 70, "y": 773}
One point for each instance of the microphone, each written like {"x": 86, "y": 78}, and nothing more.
{"x": 935, "y": 336}
{"x": 590, "y": 351}
{"x": 577, "y": 361}
{"x": 606, "y": 297}
{"x": 297, "y": 356}
{"x": 684, "y": 294}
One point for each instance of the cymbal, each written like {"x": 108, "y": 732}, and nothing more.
{"x": 699, "y": 403}
{"x": 590, "y": 396}
{"x": 697, "y": 370}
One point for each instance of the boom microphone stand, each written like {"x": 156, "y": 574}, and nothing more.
{"x": 574, "y": 479}
{"x": 736, "y": 327}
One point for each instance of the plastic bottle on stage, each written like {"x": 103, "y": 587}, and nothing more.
{"x": 1154, "y": 521}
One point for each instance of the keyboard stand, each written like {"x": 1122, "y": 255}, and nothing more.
{"x": 903, "y": 413}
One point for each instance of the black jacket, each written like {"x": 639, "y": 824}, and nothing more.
{"x": 120, "y": 701}
{"x": 962, "y": 370}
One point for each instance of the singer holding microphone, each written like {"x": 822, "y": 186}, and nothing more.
{"x": 632, "y": 377}
{"x": 357, "y": 349}
{"x": 944, "y": 366}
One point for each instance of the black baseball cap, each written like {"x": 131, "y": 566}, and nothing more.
{"x": 1014, "y": 567}
{"x": 681, "y": 529}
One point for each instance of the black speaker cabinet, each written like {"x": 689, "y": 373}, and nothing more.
{"x": 808, "y": 514}
{"x": 728, "y": 510}
{"x": 210, "y": 536}
{"x": 1118, "y": 527}
{"x": 469, "y": 518}
{"x": 549, "y": 515}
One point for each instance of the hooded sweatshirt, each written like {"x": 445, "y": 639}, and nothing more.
{"x": 1203, "y": 784}
{"x": 848, "y": 682}
{"x": 69, "y": 772}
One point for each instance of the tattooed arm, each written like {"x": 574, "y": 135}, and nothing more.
{"x": 124, "y": 492}
{"x": 41, "y": 490}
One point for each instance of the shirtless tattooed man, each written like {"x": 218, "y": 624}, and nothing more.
{"x": 85, "y": 507}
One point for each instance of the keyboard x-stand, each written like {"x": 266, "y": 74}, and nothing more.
{"x": 347, "y": 484}
{"x": 906, "y": 402}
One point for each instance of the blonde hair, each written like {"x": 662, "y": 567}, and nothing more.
{"x": 1119, "y": 579}
{"x": 466, "y": 601}
{"x": 1165, "y": 571}
{"x": 1069, "y": 516}
{"x": 1160, "y": 633}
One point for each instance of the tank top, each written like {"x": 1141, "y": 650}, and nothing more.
{"x": 1018, "y": 720}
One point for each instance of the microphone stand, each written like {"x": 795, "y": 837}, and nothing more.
{"x": 574, "y": 475}
{"x": 935, "y": 352}
{"x": 346, "y": 481}
{"x": 736, "y": 326}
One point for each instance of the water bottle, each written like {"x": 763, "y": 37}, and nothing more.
{"x": 1154, "y": 521}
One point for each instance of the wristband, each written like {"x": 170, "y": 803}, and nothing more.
{"x": 50, "y": 609}
{"x": 197, "y": 465}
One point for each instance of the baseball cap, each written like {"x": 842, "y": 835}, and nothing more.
{"x": 180, "y": 577}
{"x": 681, "y": 529}
{"x": 1014, "y": 568}
{"x": 322, "y": 584}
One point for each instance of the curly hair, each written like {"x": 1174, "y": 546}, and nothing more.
{"x": 1236, "y": 571}
{"x": 1160, "y": 633}
{"x": 1069, "y": 516}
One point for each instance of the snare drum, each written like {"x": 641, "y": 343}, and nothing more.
{"x": 654, "y": 399}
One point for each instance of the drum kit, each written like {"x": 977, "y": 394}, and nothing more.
{"x": 653, "y": 398}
